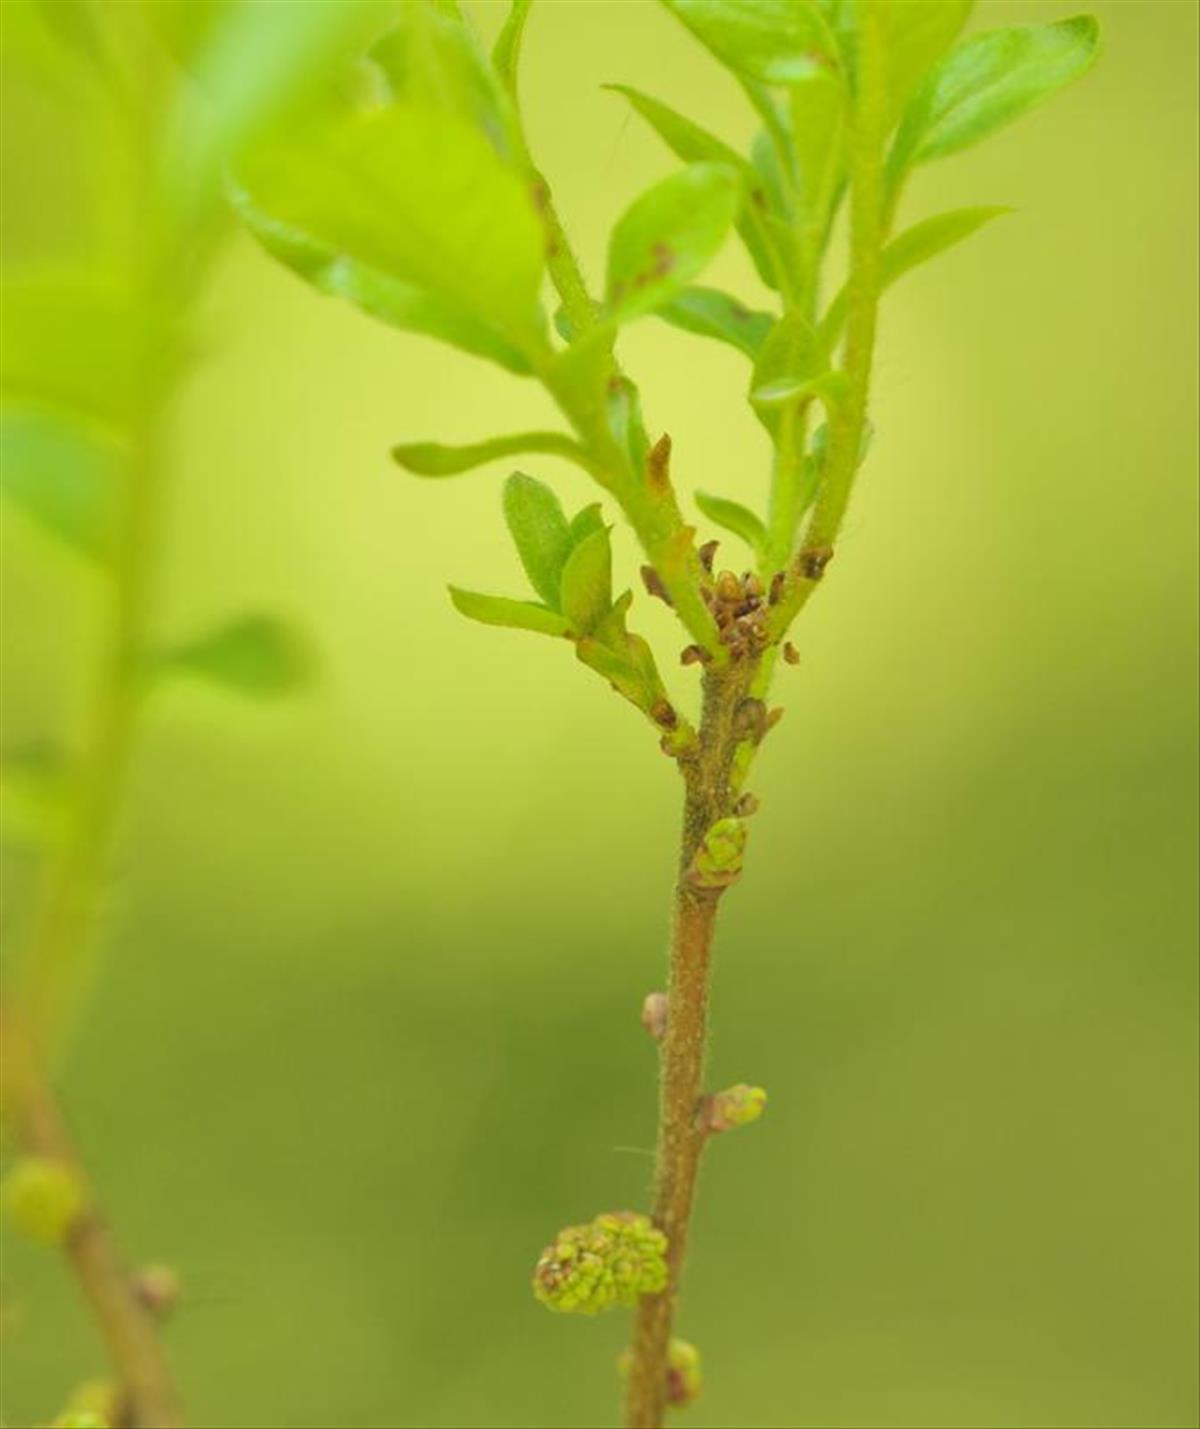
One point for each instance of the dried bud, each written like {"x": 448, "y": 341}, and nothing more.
{"x": 729, "y": 588}
{"x": 776, "y": 588}
{"x": 773, "y": 717}
{"x": 684, "y": 1377}
{"x": 662, "y": 712}
{"x": 746, "y": 805}
{"x": 790, "y": 654}
{"x": 654, "y": 1014}
{"x": 654, "y": 585}
{"x": 612, "y": 1260}
{"x": 157, "y": 1288}
{"x": 706, "y": 554}
{"x": 750, "y": 719}
{"x": 694, "y": 655}
{"x": 752, "y": 585}
{"x": 658, "y": 462}
{"x": 811, "y": 563}
{"x": 43, "y": 1198}
{"x": 735, "y": 1106}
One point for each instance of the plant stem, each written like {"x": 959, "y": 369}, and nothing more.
{"x": 708, "y": 798}
{"x": 127, "y": 1327}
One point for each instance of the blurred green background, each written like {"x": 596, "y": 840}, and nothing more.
{"x": 367, "y": 1032}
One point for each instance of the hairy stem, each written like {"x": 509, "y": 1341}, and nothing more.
{"x": 709, "y": 797}
{"x": 127, "y": 1327}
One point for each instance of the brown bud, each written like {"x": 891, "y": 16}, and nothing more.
{"x": 658, "y": 462}
{"x": 790, "y": 653}
{"x": 663, "y": 712}
{"x": 752, "y": 585}
{"x": 811, "y": 563}
{"x": 157, "y": 1289}
{"x": 654, "y": 585}
{"x": 773, "y": 717}
{"x": 694, "y": 655}
{"x": 654, "y": 1014}
{"x": 706, "y": 554}
{"x": 776, "y": 589}
{"x": 749, "y": 719}
{"x": 746, "y": 805}
{"x": 728, "y": 586}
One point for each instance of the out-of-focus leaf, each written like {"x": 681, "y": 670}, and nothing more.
{"x": 258, "y": 67}
{"x": 987, "y": 82}
{"x": 62, "y": 476}
{"x": 516, "y": 614}
{"x": 506, "y": 56}
{"x": 419, "y": 196}
{"x": 914, "y": 37}
{"x": 37, "y": 789}
{"x": 74, "y": 21}
{"x": 818, "y": 129}
{"x": 735, "y": 517}
{"x": 72, "y": 341}
{"x": 777, "y": 41}
{"x": 707, "y": 312}
{"x": 433, "y": 459}
{"x": 667, "y": 236}
{"x": 185, "y": 27}
{"x": 586, "y": 589}
{"x": 401, "y": 305}
{"x": 432, "y": 58}
{"x": 540, "y": 533}
{"x": 256, "y": 655}
{"x": 916, "y": 245}
{"x": 692, "y": 144}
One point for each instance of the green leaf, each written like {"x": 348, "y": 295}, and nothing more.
{"x": 667, "y": 236}
{"x": 586, "y": 588}
{"x": 818, "y": 129}
{"x": 433, "y": 459}
{"x": 506, "y": 56}
{"x": 421, "y": 197}
{"x": 914, "y": 37}
{"x": 986, "y": 83}
{"x": 584, "y": 522}
{"x": 74, "y": 342}
{"x": 433, "y": 59}
{"x": 707, "y": 312}
{"x": 258, "y": 67}
{"x": 790, "y": 357}
{"x": 916, "y": 245}
{"x": 61, "y": 475}
{"x": 540, "y": 533}
{"x": 515, "y": 614}
{"x": 625, "y": 422}
{"x": 735, "y": 517}
{"x": 401, "y": 305}
{"x": 777, "y": 41}
{"x": 256, "y": 655}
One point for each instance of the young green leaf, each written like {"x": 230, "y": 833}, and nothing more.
{"x": 586, "y": 588}
{"x": 584, "y": 522}
{"x": 540, "y": 533}
{"x": 434, "y": 459}
{"x": 507, "y": 54}
{"x": 256, "y": 655}
{"x": 433, "y": 59}
{"x": 916, "y": 245}
{"x": 693, "y": 144}
{"x": 667, "y": 236}
{"x": 420, "y": 196}
{"x": 777, "y": 41}
{"x": 986, "y": 83}
{"x": 790, "y": 358}
{"x": 914, "y": 37}
{"x": 707, "y": 312}
{"x": 402, "y": 305}
{"x": 735, "y": 517}
{"x": 61, "y": 475}
{"x": 515, "y": 614}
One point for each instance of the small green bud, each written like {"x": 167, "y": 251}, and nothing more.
{"x": 42, "y": 1198}
{"x": 612, "y": 1260}
{"x": 684, "y": 1377}
{"x": 735, "y": 1106}
{"x": 718, "y": 860}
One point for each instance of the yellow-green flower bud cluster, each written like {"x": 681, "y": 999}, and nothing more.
{"x": 609, "y": 1261}
{"x": 43, "y": 1198}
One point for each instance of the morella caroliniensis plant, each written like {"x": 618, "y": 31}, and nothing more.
{"x": 421, "y": 203}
